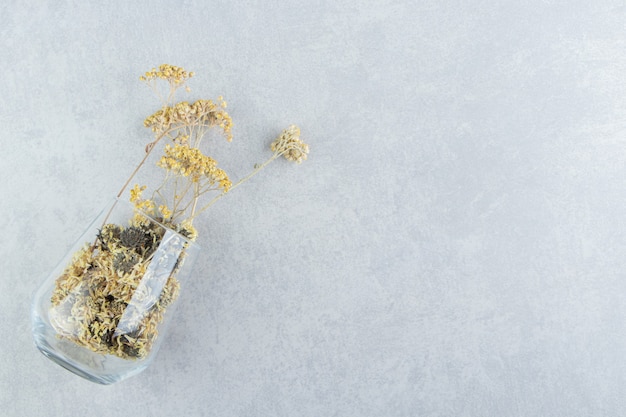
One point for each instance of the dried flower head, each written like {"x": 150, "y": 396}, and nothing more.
{"x": 133, "y": 238}
{"x": 289, "y": 145}
{"x": 200, "y": 115}
{"x": 184, "y": 161}
{"x": 165, "y": 212}
{"x": 186, "y": 229}
{"x": 135, "y": 193}
{"x": 168, "y": 72}
{"x": 125, "y": 261}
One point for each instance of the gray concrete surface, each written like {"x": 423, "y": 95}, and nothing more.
{"x": 454, "y": 246}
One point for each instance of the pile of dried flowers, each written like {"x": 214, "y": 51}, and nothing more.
{"x": 112, "y": 296}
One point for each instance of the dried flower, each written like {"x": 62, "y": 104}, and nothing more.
{"x": 133, "y": 238}
{"x": 168, "y": 72}
{"x": 289, "y": 145}
{"x": 135, "y": 193}
{"x": 184, "y": 161}
{"x": 186, "y": 229}
{"x": 125, "y": 261}
{"x": 202, "y": 115}
{"x": 165, "y": 211}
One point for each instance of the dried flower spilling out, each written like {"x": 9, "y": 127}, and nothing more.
{"x": 113, "y": 295}
{"x": 94, "y": 297}
{"x": 168, "y": 72}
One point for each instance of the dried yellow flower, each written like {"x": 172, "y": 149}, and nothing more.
{"x": 177, "y": 75}
{"x": 135, "y": 193}
{"x": 203, "y": 114}
{"x": 165, "y": 211}
{"x": 289, "y": 145}
{"x": 191, "y": 162}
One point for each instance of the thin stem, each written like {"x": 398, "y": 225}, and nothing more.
{"x": 196, "y": 195}
{"x": 163, "y": 183}
{"x": 181, "y": 197}
{"x": 191, "y": 201}
{"x": 237, "y": 184}
{"x": 155, "y": 90}
{"x": 151, "y": 145}
{"x": 256, "y": 171}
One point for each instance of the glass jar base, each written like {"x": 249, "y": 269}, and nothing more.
{"x": 94, "y": 367}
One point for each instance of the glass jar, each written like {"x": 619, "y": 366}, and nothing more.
{"x": 104, "y": 310}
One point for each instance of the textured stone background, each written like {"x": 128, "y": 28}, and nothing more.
{"x": 454, "y": 246}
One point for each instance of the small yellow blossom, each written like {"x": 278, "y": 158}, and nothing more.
{"x": 183, "y": 115}
{"x": 176, "y": 75}
{"x": 135, "y": 193}
{"x": 191, "y": 162}
{"x": 290, "y": 146}
{"x": 166, "y": 212}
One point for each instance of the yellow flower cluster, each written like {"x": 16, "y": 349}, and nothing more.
{"x": 174, "y": 74}
{"x": 192, "y": 173}
{"x": 135, "y": 193}
{"x": 165, "y": 211}
{"x": 183, "y": 114}
{"x": 191, "y": 162}
{"x": 290, "y": 146}
{"x": 147, "y": 206}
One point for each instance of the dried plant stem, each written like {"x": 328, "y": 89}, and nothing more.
{"x": 257, "y": 169}
{"x": 196, "y": 194}
{"x": 149, "y": 150}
